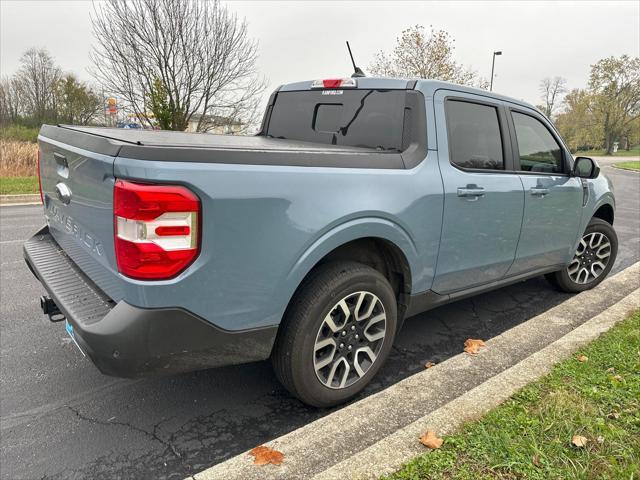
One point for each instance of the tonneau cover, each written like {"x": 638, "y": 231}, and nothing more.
{"x": 162, "y": 145}
{"x": 166, "y": 138}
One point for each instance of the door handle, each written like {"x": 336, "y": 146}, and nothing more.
{"x": 539, "y": 192}
{"x": 470, "y": 192}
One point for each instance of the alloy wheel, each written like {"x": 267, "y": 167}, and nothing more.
{"x": 349, "y": 340}
{"x": 591, "y": 258}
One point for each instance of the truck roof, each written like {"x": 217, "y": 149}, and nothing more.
{"x": 427, "y": 86}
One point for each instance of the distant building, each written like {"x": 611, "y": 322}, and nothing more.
{"x": 220, "y": 125}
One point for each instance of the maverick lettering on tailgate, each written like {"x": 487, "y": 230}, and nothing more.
{"x": 71, "y": 226}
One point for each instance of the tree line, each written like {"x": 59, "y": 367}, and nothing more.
{"x": 40, "y": 92}
{"x": 170, "y": 63}
{"x": 607, "y": 111}
{"x": 167, "y": 62}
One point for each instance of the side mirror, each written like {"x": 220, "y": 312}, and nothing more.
{"x": 585, "y": 167}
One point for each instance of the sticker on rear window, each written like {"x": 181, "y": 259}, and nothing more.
{"x": 332, "y": 92}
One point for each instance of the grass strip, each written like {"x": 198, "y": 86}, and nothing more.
{"x": 18, "y": 185}
{"x": 530, "y": 435}
{"x": 635, "y": 165}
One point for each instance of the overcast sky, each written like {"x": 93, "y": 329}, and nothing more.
{"x": 305, "y": 40}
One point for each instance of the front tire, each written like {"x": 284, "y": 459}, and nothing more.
{"x": 336, "y": 334}
{"x": 592, "y": 261}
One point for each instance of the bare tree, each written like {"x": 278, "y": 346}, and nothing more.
{"x": 420, "y": 54}
{"x": 40, "y": 93}
{"x": 11, "y": 100}
{"x": 551, "y": 91}
{"x": 239, "y": 109}
{"x": 196, "y": 55}
{"x": 36, "y": 81}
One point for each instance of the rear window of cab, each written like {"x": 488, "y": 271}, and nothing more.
{"x": 356, "y": 118}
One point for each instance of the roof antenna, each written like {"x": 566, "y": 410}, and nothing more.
{"x": 357, "y": 72}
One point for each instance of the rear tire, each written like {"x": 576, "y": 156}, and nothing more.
{"x": 336, "y": 333}
{"x": 592, "y": 261}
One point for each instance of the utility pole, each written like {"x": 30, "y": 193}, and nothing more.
{"x": 104, "y": 108}
{"x": 493, "y": 64}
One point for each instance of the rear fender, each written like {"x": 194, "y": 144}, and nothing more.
{"x": 370, "y": 227}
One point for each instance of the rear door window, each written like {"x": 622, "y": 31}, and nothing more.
{"x": 539, "y": 150}
{"x": 475, "y": 140}
{"x": 357, "y": 118}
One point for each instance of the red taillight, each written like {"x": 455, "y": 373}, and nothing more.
{"x": 156, "y": 229}
{"x": 40, "y": 179}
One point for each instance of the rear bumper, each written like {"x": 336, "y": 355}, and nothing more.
{"x": 128, "y": 341}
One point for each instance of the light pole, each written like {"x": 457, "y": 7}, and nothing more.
{"x": 493, "y": 64}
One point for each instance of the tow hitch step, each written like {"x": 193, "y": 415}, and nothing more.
{"x": 50, "y": 309}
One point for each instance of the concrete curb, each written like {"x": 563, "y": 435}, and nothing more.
{"x": 30, "y": 199}
{"x": 336, "y": 446}
{"x": 625, "y": 169}
{"x": 389, "y": 454}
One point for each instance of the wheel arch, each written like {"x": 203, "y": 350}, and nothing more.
{"x": 379, "y": 243}
{"x": 605, "y": 212}
{"x": 381, "y": 255}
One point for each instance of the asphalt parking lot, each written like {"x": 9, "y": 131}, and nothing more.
{"x": 61, "y": 418}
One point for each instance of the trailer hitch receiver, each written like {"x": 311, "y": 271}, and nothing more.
{"x": 50, "y": 309}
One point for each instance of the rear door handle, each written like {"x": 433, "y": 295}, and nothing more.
{"x": 470, "y": 192}
{"x": 540, "y": 192}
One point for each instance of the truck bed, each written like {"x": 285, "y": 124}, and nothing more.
{"x": 169, "y": 146}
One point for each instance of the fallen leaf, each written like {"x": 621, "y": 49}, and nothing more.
{"x": 582, "y": 358}
{"x": 611, "y": 370}
{"x": 579, "y": 441}
{"x": 614, "y": 415}
{"x": 472, "y": 346}
{"x": 265, "y": 455}
{"x": 600, "y": 439}
{"x": 431, "y": 440}
{"x": 429, "y": 364}
{"x": 618, "y": 378}
{"x": 536, "y": 460}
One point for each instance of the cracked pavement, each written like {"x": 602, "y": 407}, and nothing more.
{"x": 61, "y": 418}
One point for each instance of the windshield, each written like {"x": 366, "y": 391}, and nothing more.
{"x": 357, "y": 118}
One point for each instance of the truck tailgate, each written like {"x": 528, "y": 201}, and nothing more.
{"x": 77, "y": 187}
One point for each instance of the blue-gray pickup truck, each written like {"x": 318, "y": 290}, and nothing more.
{"x": 360, "y": 202}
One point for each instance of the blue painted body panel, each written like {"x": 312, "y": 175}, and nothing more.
{"x": 480, "y": 234}
{"x": 265, "y": 227}
{"x": 84, "y": 228}
{"x": 551, "y": 222}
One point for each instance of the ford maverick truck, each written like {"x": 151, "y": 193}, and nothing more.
{"x": 360, "y": 202}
